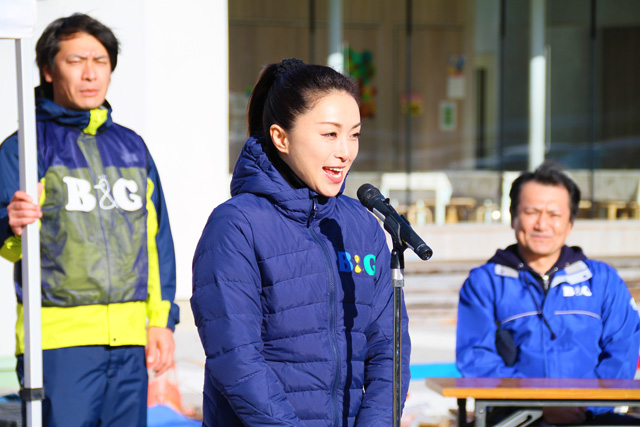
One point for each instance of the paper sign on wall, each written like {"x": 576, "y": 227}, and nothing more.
{"x": 448, "y": 116}
{"x": 455, "y": 77}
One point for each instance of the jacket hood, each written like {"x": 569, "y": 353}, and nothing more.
{"x": 510, "y": 257}
{"x": 255, "y": 174}
{"x": 47, "y": 110}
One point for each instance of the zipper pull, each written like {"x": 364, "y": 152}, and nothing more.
{"x": 312, "y": 214}
{"x": 545, "y": 281}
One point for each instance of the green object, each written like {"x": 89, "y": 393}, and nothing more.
{"x": 8, "y": 378}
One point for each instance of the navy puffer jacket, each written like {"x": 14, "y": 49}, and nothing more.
{"x": 293, "y": 303}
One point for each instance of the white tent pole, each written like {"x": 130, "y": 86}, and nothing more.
{"x": 32, "y": 391}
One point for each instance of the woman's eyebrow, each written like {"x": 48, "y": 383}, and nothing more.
{"x": 339, "y": 125}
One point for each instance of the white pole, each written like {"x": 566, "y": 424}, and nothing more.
{"x": 336, "y": 57}
{"x": 537, "y": 85}
{"x": 32, "y": 391}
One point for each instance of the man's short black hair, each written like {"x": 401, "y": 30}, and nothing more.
{"x": 48, "y": 44}
{"x": 548, "y": 173}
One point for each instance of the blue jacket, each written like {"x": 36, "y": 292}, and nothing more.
{"x": 585, "y": 325}
{"x": 293, "y": 304}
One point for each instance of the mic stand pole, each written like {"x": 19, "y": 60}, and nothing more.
{"x": 397, "y": 281}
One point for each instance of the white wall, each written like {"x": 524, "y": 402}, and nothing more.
{"x": 171, "y": 87}
{"x": 478, "y": 242}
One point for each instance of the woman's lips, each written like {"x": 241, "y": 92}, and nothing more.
{"x": 334, "y": 174}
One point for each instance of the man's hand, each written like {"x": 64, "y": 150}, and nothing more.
{"x": 159, "y": 350}
{"x": 22, "y": 211}
{"x": 564, "y": 415}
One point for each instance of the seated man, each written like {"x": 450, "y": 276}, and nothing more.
{"x": 542, "y": 309}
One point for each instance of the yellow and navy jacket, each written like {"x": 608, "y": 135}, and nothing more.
{"x": 107, "y": 257}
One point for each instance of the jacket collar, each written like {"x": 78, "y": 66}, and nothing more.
{"x": 47, "y": 110}
{"x": 569, "y": 266}
{"x": 574, "y": 273}
{"x": 510, "y": 257}
{"x": 255, "y": 174}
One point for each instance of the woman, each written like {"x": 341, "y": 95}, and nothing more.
{"x": 291, "y": 283}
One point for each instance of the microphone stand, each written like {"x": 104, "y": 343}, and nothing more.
{"x": 395, "y": 224}
{"x": 397, "y": 281}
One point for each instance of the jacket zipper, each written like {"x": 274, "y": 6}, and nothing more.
{"x": 95, "y": 171}
{"x": 540, "y": 307}
{"x": 545, "y": 282}
{"x": 332, "y": 314}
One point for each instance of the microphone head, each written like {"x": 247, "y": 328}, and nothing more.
{"x": 366, "y": 193}
{"x": 423, "y": 251}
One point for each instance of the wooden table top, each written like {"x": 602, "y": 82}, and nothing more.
{"x": 536, "y": 388}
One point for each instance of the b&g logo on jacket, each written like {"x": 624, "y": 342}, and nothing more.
{"x": 346, "y": 263}
{"x": 576, "y": 291}
{"x": 81, "y": 198}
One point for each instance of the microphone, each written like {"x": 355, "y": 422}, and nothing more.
{"x": 395, "y": 224}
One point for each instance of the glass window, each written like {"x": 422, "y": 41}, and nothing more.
{"x": 445, "y": 88}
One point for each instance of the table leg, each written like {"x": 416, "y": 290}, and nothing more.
{"x": 521, "y": 418}
{"x": 481, "y": 414}
{"x": 462, "y": 412}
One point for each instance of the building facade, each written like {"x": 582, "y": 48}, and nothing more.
{"x": 456, "y": 86}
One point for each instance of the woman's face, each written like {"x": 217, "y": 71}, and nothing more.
{"x": 323, "y": 142}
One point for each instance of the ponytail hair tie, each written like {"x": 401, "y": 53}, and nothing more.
{"x": 287, "y": 65}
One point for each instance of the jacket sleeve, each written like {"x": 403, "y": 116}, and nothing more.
{"x": 228, "y": 314}
{"x": 376, "y": 408}
{"x": 620, "y": 339}
{"x": 161, "y": 308}
{"x": 10, "y": 244}
{"x": 9, "y": 184}
{"x": 476, "y": 353}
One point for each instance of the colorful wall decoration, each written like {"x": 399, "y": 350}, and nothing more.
{"x": 360, "y": 66}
